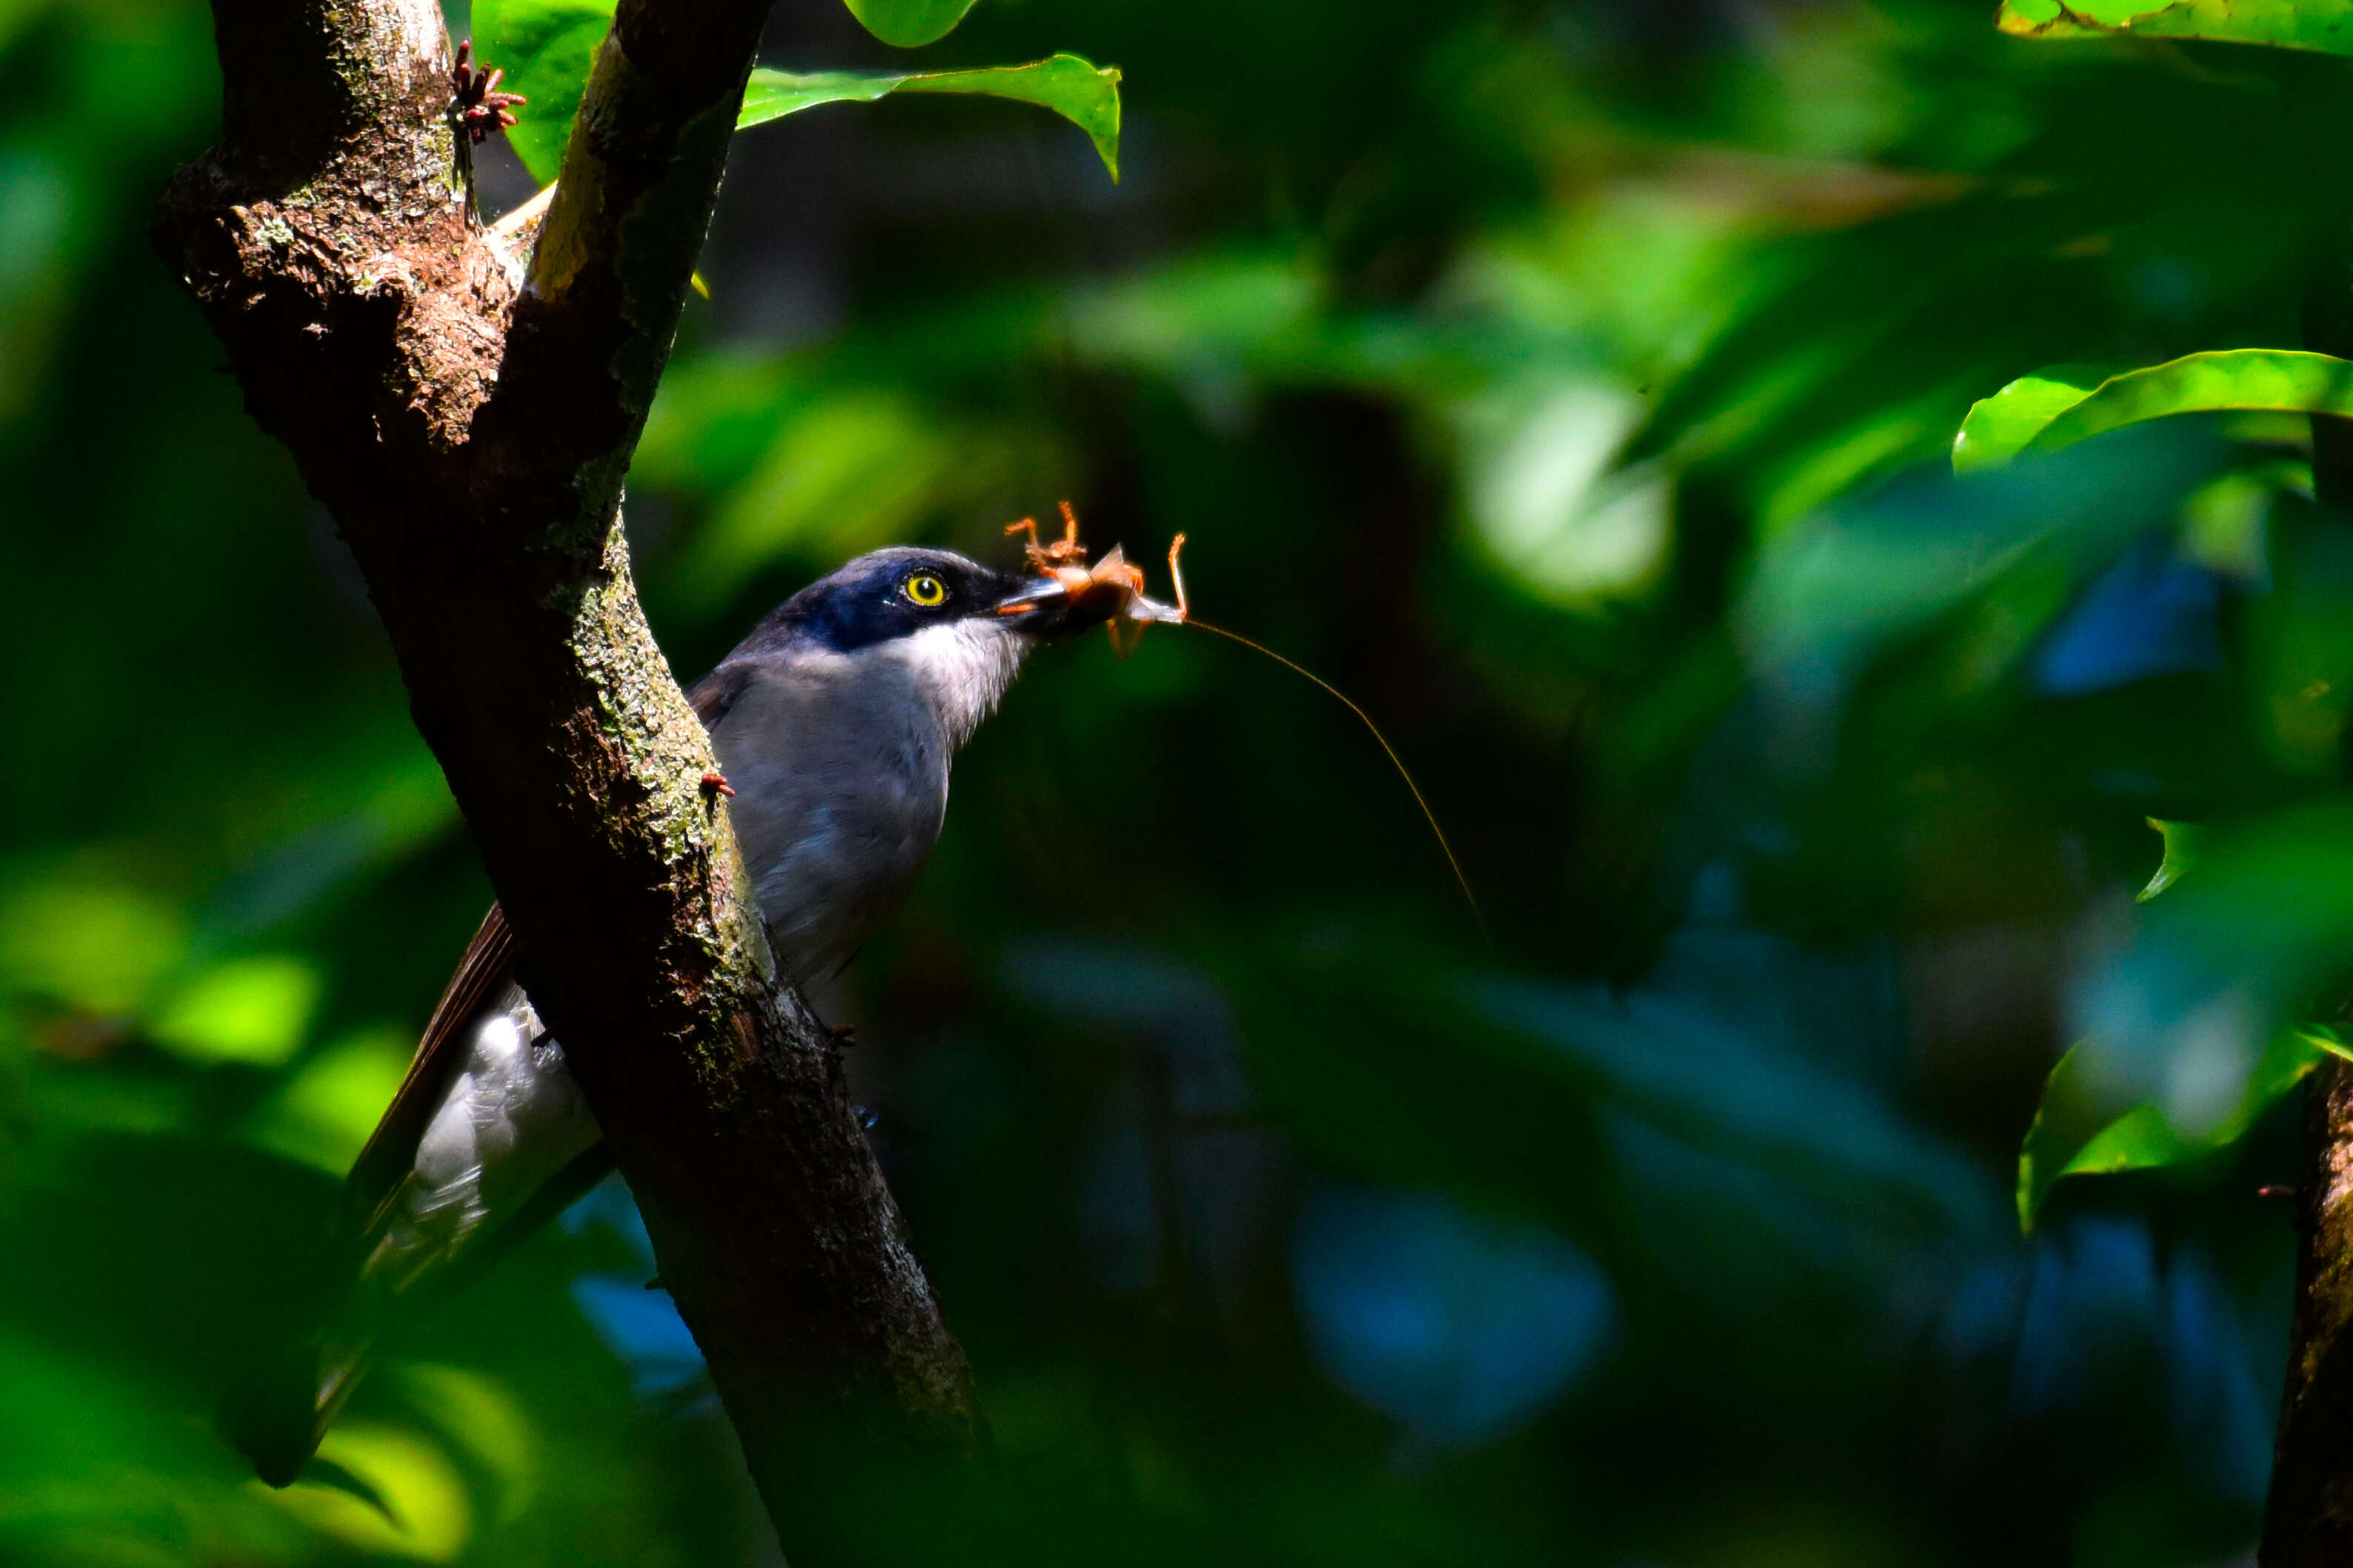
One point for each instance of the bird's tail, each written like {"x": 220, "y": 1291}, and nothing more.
{"x": 277, "y": 1416}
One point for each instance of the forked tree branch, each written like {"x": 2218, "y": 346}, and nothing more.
{"x": 470, "y": 427}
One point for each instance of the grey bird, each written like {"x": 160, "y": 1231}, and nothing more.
{"x": 834, "y": 722}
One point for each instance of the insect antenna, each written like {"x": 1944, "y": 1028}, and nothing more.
{"x": 1454, "y": 862}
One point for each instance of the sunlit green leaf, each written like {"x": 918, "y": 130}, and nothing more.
{"x": 2037, "y": 413}
{"x": 2325, "y": 26}
{"x": 1998, "y": 427}
{"x": 1082, "y": 92}
{"x": 2181, "y": 850}
{"x": 254, "y": 1010}
{"x": 484, "y": 1421}
{"x": 546, "y": 48}
{"x": 2072, "y": 1137}
{"x": 909, "y": 23}
{"x": 418, "y": 1510}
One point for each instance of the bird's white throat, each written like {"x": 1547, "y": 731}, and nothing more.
{"x": 962, "y": 669}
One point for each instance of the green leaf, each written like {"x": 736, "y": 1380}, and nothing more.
{"x": 1080, "y": 92}
{"x": 1998, "y": 427}
{"x": 2181, "y": 850}
{"x": 2036, "y": 413}
{"x": 2323, "y": 25}
{"x": 546, "y": 48}
{"x": 2072, "y": 1136}
{"x": 909, "y": 23}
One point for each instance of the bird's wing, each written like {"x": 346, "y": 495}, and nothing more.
{"x": 277, "y": 1415}
{"x": 482, "y": 974}
{"x": 391, "y": 1151}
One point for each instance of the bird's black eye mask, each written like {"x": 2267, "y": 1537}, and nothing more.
{"x": 890, "y": 593}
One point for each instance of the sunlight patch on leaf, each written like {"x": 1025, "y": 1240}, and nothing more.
{"x": 2325, "y": 26}
{"x": 96, "y": 946}
{"x": 324, "y": 1116}
{"x": 253, "y": 1010}
{"x": 416, "y": 1506}
{"x": 485, "y": 1421}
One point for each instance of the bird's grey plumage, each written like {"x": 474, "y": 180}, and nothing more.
{"x": 839, "y": 763}
{"x": 835, "y": 722}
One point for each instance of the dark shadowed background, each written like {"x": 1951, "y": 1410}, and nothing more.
{"x": 1572, "y": 383}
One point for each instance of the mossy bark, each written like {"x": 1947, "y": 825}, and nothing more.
{"x": 468, "y": 415}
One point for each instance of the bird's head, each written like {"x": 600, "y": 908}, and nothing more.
{"x": 889, "y": 594}
{"x": 953, "y": 630}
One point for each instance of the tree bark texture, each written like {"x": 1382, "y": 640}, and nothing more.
{"x": 2308, "y": 1521}
{"x": 2308, "y": 1516}
{"x": 468, "y": 414}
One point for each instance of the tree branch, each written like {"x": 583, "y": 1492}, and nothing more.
{"x": 2309, "y": 1518}
{"x": 470, "y": 435}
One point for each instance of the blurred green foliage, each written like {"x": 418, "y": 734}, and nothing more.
{"x": 1575, "y": 384}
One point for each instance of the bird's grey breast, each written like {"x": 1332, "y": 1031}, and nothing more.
{"x": 839, "y": 763}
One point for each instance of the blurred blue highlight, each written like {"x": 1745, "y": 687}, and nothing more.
{"x": 1460, "y": 1326}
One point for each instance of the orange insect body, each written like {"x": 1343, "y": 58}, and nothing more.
{"x": 1065, "y": 561}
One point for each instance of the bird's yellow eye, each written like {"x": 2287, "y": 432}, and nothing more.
{"x": 926, "y": 590}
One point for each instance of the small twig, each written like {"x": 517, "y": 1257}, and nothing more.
{"x": 511, "y": 225}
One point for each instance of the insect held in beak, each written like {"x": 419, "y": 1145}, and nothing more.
{"x": 1113, "y": 589}
{"x": 1110, "y": 589}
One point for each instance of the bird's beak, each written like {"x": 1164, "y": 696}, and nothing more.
{"x": 1046, "y": 607}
